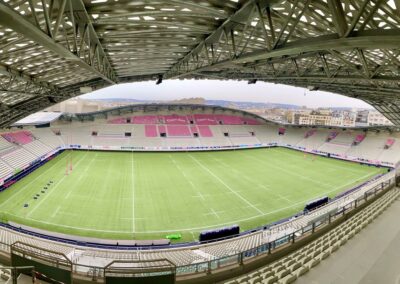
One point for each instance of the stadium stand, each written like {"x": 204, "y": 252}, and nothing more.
{"x": 19, "y": 137}
{"x": 299, "y": 262}
{"x": 37, "y": 148}
{"x": 5, "y": 170}
{"x": 5, "y": 145}
{"x": 174, "y": 119}
{"x": 145, "y": 119}
{"x": 205, "y": 131}
{"x": 389, "y": 143}
{"x": 151, "y": 130}
{"x": 144, "y": 136}
{"x": 178, "y": 131}
{"x": 19, "y": 159}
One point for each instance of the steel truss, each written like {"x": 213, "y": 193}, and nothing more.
{"x": 51, "y": 48}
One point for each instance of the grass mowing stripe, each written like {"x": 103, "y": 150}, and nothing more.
{"x": 172, "y": 192}
{"x": 227, "y": 186}
{"x": 52, "y": 191}
{"x": 21, "y": 189}
{"x": 251, "y": 180}
{"x": 289, "y": 172}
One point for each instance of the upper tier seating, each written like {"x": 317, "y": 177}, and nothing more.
{"x": 20, "y": 137}
{"x": 228, "y": 119}
{"x": 119, "y": 120}
{"x": 200, "y": 119}
{"x": 5, "y": 145}
{"x": 174, "y": 119}
{"x": 204, "y": 119}
{"x": 250, "y": 121}
{"x": 145, "y": 119}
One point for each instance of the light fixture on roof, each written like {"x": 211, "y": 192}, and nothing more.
{"x": 85, "y": 90}
{"x": 313, "y": 88}
{"x": 159, "y": 80}
{"x": 252, "y": 81}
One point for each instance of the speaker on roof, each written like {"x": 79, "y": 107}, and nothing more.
{"x": 159, "y": 80}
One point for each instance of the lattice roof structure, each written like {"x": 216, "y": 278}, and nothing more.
{"x": 49, "y": 49}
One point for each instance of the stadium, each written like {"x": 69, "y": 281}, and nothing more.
{"x": 194, "y": 193}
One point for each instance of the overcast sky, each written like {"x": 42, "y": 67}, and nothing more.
{"x": 226, "y": 90}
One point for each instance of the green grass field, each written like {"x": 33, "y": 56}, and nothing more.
{"x": 119, "y": 195}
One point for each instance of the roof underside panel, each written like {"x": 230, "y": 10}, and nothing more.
{"x": 51, "y": 48}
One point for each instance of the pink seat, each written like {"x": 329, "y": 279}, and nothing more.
{"x": 175, "y": 119}
{"x": 119, "y": 120}
{"x": 359, "y": 138}
{"x": 205, "y": 131}
{"x": 250, "y": 121}
{"x": 205, "y": 119}
{"x": 145, "y": 119}
{"x": 20, "y": 137}
{"x": 229, "y": 119}
{"x": 178, "y": 131}
{"x": 162, "y": 129}
{"x": 310, "y": 133}
{"x": 150, "y": 130}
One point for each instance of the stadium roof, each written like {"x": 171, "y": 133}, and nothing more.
{"x": 50, "y": 50}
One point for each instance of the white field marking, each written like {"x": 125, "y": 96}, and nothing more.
{"x": 251, "y": 181}
{"x": 326, "y": 161}
{"x": 290, "y": 172}
{"x": 250, "y": 218}
{"x": 227, "y": 186}
{"x": 68, "y": 213}
{"x": 72, "y": 227}
{"x": 81, "y": 176}
{"x": 215, "y": 213}
{"x": 199, "y": 195}
{"x": 68, "y": 194}
{"x": 257, "y": 204}
{"x": 194, "y": 238}
{"x": 55, "y": 212}
{"x": 53, "y": 189}
{"x": 21, "y": 189}
{"x": 133, "y": 194}
{"x": 174, "y": 230}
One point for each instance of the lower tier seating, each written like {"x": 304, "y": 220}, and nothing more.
{"x": 292, "y": 266}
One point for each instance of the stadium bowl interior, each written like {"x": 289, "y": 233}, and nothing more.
{"x": 190, "y": 193}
